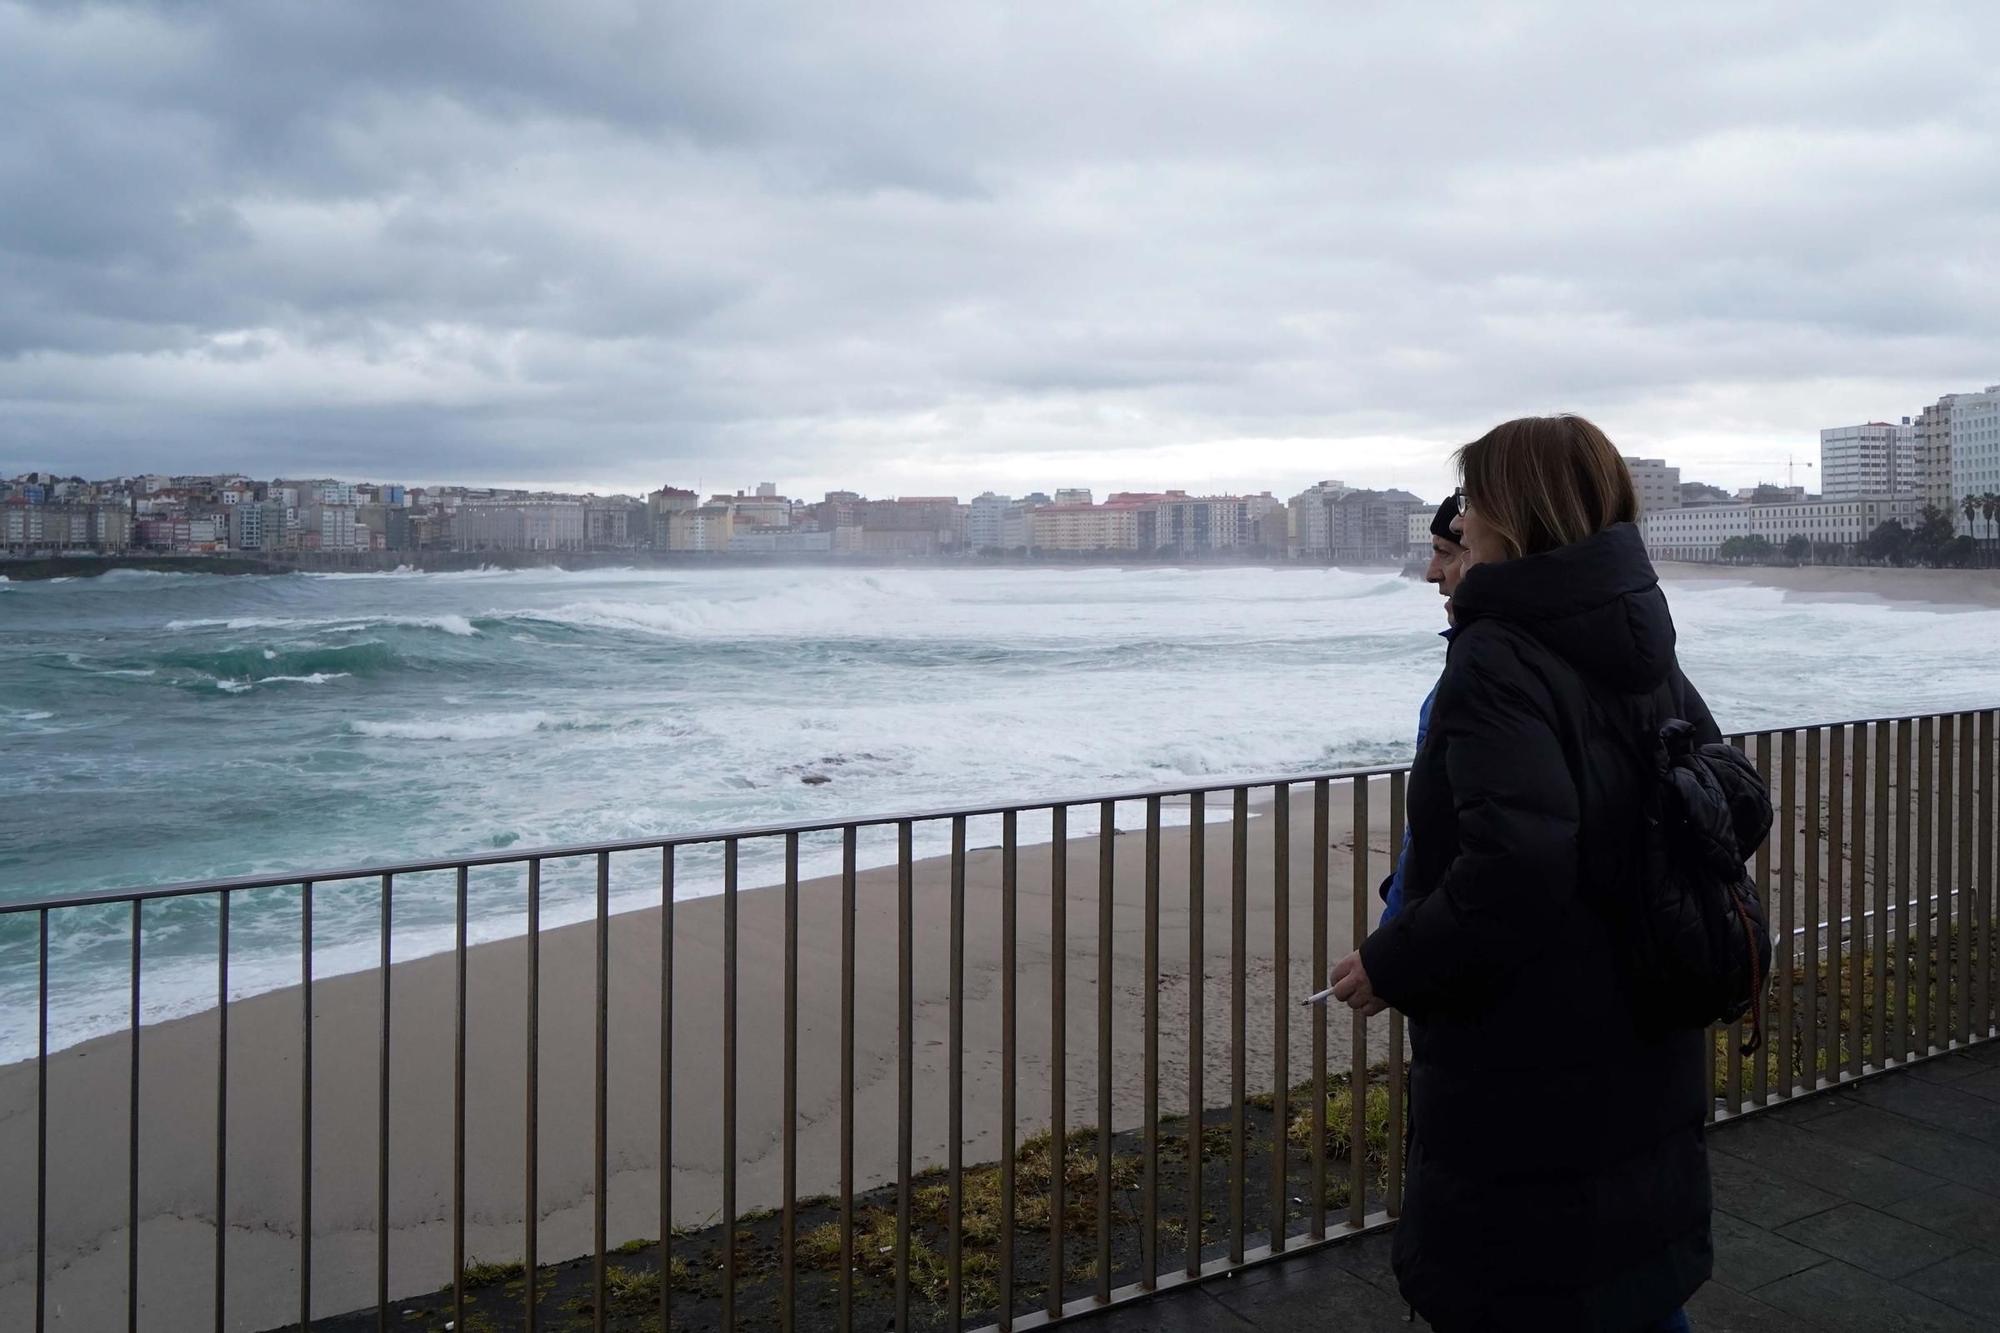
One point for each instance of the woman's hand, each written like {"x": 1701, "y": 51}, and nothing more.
{"x": 1351, "y": 988}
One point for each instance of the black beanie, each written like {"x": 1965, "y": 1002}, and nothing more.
{"x": 1441, "y": 525}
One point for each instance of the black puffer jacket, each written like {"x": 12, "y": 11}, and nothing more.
{"x": 1558, "y": 1176}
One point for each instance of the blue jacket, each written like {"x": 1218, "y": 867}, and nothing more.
{"x": 1392, "y": 892}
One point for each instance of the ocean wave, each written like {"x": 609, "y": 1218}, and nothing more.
{"x": 449, "y": 624}
{"x": 473, "y": 727}
{"x": 312, "y": 678}
{"x": 412, "y": 572}
{"x": 366, "y": 657}
{"x": 141, "y": 575}
{"x": 782, "y": 613}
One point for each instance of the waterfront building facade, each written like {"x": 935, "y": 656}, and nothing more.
{"x": 499, "y": 525}
{"x": 1086, "y": 527}
{"x": 1312, "y": 517}
{"x": 707, "y": 528}
{"x": 26, "y": 528}
{"x": 1875, "y": 458}
{"x": 1371, "y": 527}
{"x": 1934, "y": 453}
{"x": 986, "y": 522}
{"x": 1697, "y": 532}
{"x": 1975, "y": 454}
{"x": 326, "y": 526}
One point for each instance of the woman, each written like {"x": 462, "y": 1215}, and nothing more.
{"x": 1558, "y": 1176}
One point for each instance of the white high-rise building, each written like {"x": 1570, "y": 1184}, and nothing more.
{"x": 986, "y": 522}
{"x": 1975, "y": 451}
{"x": 1876, "y": 458}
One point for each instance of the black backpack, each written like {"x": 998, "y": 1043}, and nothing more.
{"x": 1696, "y": 938}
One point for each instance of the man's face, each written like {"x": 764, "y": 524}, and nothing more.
{"x": 1446, "y": 566}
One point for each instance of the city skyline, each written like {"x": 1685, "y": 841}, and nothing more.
{"x": 978, "y": 248}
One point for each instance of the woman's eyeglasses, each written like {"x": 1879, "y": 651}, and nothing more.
{"x": 1459, "y": 496}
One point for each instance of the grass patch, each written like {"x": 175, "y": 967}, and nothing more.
{"x": 479, "y": 1274}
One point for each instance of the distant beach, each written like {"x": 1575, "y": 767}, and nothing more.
{"x": 1934, "y": 588}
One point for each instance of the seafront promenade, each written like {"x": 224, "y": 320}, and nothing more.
{"x": 1869, "y": 1207}
{"x": 880, "y": 1091}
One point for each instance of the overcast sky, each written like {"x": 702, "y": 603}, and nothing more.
{"x": 938, "y": 248}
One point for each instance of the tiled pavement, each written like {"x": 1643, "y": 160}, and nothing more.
{"x": 1876, "y": 1207}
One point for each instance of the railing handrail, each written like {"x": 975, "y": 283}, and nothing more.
{"x": 520, "y": 856}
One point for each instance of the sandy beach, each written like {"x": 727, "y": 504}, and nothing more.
{"x": 88, "y": 1089}
{"x": 1934, "y": 588}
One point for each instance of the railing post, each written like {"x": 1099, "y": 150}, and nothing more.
{"x": 1197, "y": 1046}
{"x": 1357, "y": 1075}
{"x": 132, "y": 1147}
{"x": 1239, "y": 929}
{"x": 666, "y": 1089}
{"x": 1884, "y": 865}
{"x": 221, "y": 1105}
{"x": 1107, "y": 832}
{"x": 1966, "y": 878}
{"x": 382, "y": 1122}
{"x": 1812, "y": 1046}
{"x": 955, "y": 1087}
{"x": 1058, "y": 1048}
{"x": 905, "y": 1045}
{"x": 1398, "y": 796}
{"x": 531, "y": 1084}
{"x": 601, "y": 1136}
{"x": 1322, "y": 972}
{"x": 1983, "y": 1003}
{"x": 1281, "y": 1006}
{"x": 789, "y": 1134}
{"x": 1788, "y": 945}
{"x": 1149, "y": 1181}
{"x": 1857, "y": 871}
{"x": 730, "y": 962}
{"x": 848, "y": 840}
{"x": 1760, "y": 1083}
{"x": 1837, "y": 864}
{"x": 1926, "y": 885}
{"x": 305, "y": 1102}
{"x": 1905, "y": 803}
{"x": 1009, "y": 868}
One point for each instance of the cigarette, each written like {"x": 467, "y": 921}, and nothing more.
{"x": 1319, "y": 997}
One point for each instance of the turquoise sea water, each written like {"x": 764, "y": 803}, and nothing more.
{"x": 157, "y": 728}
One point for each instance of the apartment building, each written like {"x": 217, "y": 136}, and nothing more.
{"x": 1874, "y": 458}
{"x": 1975, "y": 450}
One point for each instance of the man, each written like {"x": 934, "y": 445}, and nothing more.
{"x": 1446, "y": 566}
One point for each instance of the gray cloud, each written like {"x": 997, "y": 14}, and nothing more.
{"x": 920, "y": 247}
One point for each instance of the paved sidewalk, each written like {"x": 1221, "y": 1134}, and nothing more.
{"x": 1873, "y": 1208}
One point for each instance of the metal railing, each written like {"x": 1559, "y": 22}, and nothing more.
{"x": 1122, "y": 1148}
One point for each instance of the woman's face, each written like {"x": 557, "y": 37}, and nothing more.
{"x": 1482, "y": 545}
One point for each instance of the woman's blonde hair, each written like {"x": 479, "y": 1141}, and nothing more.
{"x": 1544, "y": 482}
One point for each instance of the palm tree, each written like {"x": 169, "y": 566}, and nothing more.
{"x": 1969, "y": 506}
{"x": 1989, "y": 506}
